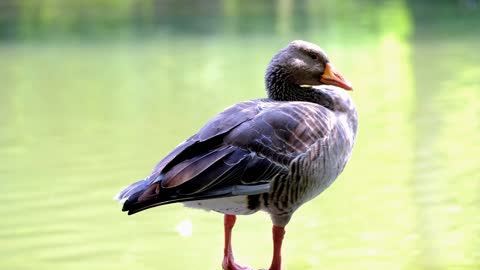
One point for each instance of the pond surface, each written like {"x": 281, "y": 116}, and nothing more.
{"x": 80, "y": 119}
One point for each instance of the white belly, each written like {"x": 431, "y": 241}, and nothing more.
{"x": 230, "y": 205}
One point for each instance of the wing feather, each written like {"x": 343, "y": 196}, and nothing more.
{"x": 237, "y": 152}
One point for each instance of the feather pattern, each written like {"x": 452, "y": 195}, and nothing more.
{"x": 258, "y": 141}
{"x": 270, "y": 154}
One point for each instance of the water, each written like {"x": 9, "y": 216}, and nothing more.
{"x": 82, "y": 117}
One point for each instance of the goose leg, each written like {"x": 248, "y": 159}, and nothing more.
{"x": 277, "y": 233}
{"x": 228, "y": 260}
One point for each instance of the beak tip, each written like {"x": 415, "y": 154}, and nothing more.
{"x": 346, "y": 85}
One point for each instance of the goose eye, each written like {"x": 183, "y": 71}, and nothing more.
{"x": 313, "y": 56}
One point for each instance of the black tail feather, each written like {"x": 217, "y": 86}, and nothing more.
{"x": 136, "y": 204}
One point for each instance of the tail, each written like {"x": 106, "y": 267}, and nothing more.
{"x": 132, "y": 192}
{"x": 144, "y": 194}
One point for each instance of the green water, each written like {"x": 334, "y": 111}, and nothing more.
{"x": 81, "y": 118}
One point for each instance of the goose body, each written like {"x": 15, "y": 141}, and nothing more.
{"x": 271, "y": 154}
{"x": 304, "y": 149}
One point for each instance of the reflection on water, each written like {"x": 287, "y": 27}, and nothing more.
{"x": 78, "y": 120}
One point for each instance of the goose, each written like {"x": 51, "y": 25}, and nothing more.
{"x": 271, "y": 154}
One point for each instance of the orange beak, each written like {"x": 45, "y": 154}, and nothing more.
{"x": 332, "y": 77}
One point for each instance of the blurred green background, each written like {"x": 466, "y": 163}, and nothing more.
{"x": 94, "y": 93}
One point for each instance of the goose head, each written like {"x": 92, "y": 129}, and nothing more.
{"x": 300, "y": 64}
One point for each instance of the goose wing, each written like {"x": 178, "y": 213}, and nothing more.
{"x": 238, "y": 152}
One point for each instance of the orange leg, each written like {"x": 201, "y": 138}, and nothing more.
{"x": 228, "y": 260}
{"x": 277, "y": 233}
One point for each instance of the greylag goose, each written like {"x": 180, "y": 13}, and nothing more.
{"x": 272, "y": 154}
